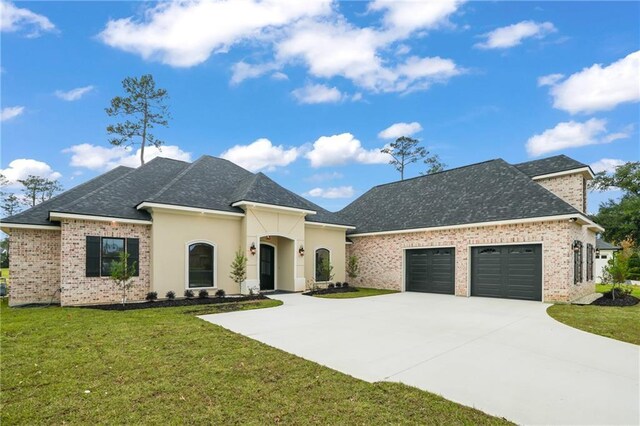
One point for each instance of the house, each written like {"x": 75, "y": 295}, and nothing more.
{"x": 604, "y": 252}
{"x": 487, "y": 229}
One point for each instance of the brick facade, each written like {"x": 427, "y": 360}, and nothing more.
{"x": 77, "y": 288}
{"x": 35, "y": 266}
{"x": 381, "y": 257}
{"x": 571, "y": 188}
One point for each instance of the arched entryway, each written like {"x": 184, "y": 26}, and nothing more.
{"x": 276, "y": 263}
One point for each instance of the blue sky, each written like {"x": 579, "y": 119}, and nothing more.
{"x": 305, "y": 91}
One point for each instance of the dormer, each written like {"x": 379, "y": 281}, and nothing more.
{"x": 564, "y": 176}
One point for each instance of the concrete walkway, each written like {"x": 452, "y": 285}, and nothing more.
{"x": 504, "y": 357}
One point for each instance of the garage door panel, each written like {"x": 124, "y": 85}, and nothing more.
{"x": 430, "y": 270}
{"x": 513, "y": 272}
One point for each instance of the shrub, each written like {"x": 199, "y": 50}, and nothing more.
{"x": 330, "y": 285}
{"x": 239, "y": 268}
{"x": 151, "y": 296}
{"x": 345, "y": 284}
{"x": 188, "y": 294}
{"x": 353, "y": 269}
{"x": 220, "y": 293}
{"x": 203, "y": 294}
{"x": 338, "y": 284}
{"x": 170, "y": 295}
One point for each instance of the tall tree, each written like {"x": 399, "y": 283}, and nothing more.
{"x": 10, "y": 205}
{"x": 620, "y": 218}
{"x": 143, "y": 108}
{"x": 405, "y": 151}
{"x": 38, "y": 189}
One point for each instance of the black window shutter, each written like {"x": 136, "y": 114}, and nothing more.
{"x": 133, "y": 248}
{"x": 93, "y": 257}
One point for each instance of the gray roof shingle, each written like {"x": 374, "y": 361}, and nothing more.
{"x": 490, "y": 191}
{"x": 545, "y": 166}
{"x": 603, "y": 245}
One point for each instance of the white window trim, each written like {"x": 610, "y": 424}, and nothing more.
{"x": 314, "y": 262}
{"x": 186, "y": 265}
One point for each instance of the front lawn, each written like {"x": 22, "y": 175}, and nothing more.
{"x": 362, "y": 292}
{"x": 70, "y": 365}
{"x": 620, "y": 323}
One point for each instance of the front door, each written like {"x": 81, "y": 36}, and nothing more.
{"x": 267, "y": 267}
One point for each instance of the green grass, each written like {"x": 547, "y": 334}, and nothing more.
{"x": 166, "y": 366}
{"x": 362, "y": 292}
{"x": 620, "y": 323}
{"x": 5, "y": 273}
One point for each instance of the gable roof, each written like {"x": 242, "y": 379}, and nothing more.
{"x": 484, "y": 192}
{"x": 603, "y": 245}
{"x": 39, "y": 215}
{"x": 545, "y": 166}
{"x": 208, "y": 183}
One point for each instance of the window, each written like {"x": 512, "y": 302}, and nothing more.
{"x": 603, "y": 256}
{"x": 102, "y": 251}
{"x": 577, "y": 262}
{"x": 589, "y": 262}
{"x": 201, "y": 265}
{"x": 323, "y": 260}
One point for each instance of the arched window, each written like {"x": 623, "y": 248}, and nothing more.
{"x": 201, "y": 265}
{"x": 323, "y": 265}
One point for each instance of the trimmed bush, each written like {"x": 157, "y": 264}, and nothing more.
{"x": 330, "y": 285}
{"x": 220, "y": 293}
{"x": 338, "y": 284}
{"x": 203, "y": 294}
{"x": 170, "y": 295}
{"x": 151, "y": 296}
{"x": 345, "y": 284}
{"x": 188, "y": 294}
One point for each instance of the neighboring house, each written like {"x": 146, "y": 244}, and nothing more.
{"x": 488, "y": 229}
{"x": 604, "y": 252}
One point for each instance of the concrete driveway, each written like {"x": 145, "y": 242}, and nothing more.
{"x": 504, "y": 357}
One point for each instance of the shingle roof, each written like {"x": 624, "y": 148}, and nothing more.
{"x": 39, "y": 215}
{"x": 208, "y": 183}
{"x": 559, "y": 163}
{"x": 484, "y": 192}
{"x": 603, "y": 245}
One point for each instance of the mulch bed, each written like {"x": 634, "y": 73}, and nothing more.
{"x": 331, "y": 291}
{"x": 174, "y": 303}
{"x": 625, "y": 300}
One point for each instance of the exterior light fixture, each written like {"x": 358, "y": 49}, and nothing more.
{"x": 301, "y": 251}
{"x": 597, "y": 252}
{"x": 576, "y": 246}
{"x": 252, "y": 249}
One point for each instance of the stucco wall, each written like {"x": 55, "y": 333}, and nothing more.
{"x": 381, "y": 257}
{"x": 569, "y": 187}
{"x": 329, "y": 238}
{"x": 34, "y": 265}
{"x": 77, "y": 288}
{"x": 173, "y": 231}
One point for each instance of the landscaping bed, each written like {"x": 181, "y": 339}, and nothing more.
{"x": 620, "y": 300}
{"x": 330, "y": 290}
{"x": 176, "y": 302}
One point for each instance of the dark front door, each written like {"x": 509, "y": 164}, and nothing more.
{"x": 511, "y": 272}
{"x": 430, "y": 270}
{"x": 267, "y": 267}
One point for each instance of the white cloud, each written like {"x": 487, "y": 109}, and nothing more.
{"x": 184, "y": 34}
{"x": 317, "y": 94}
{"x": 600, "y": 88}
{"x": 23, "y": 167}
{"x": 14, "y": 19}
{"x": 571, "y": 134}
{"x": 404, "y": 17}
{"x": 73, "y": 94}
{"x": 335, "y": 192}
{"x": 400, "y": 129}
{"x": 342, "y": 149}
{"x": 242, "y": 71}
{"x": 102, "y": 158}
{"x": 10, "y": 112}
{"x": 261, "y": 155}
{"x": 549, "y": 80}
{"x": 323, "y": 177}
{"x": 606, "y": 165}
{"x": 278, "y": 75}
{"x": 512, "y": 35}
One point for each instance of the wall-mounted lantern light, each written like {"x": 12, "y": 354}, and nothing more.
{"x": 252, "y": 249}
{"x": 301, "y": 251}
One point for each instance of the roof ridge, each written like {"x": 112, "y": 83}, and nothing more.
{"x": 176, "y": 178}
{"x": 55, "y": 197}
{"x": 64, "y": 206}
{"x": 438, "y": 173}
